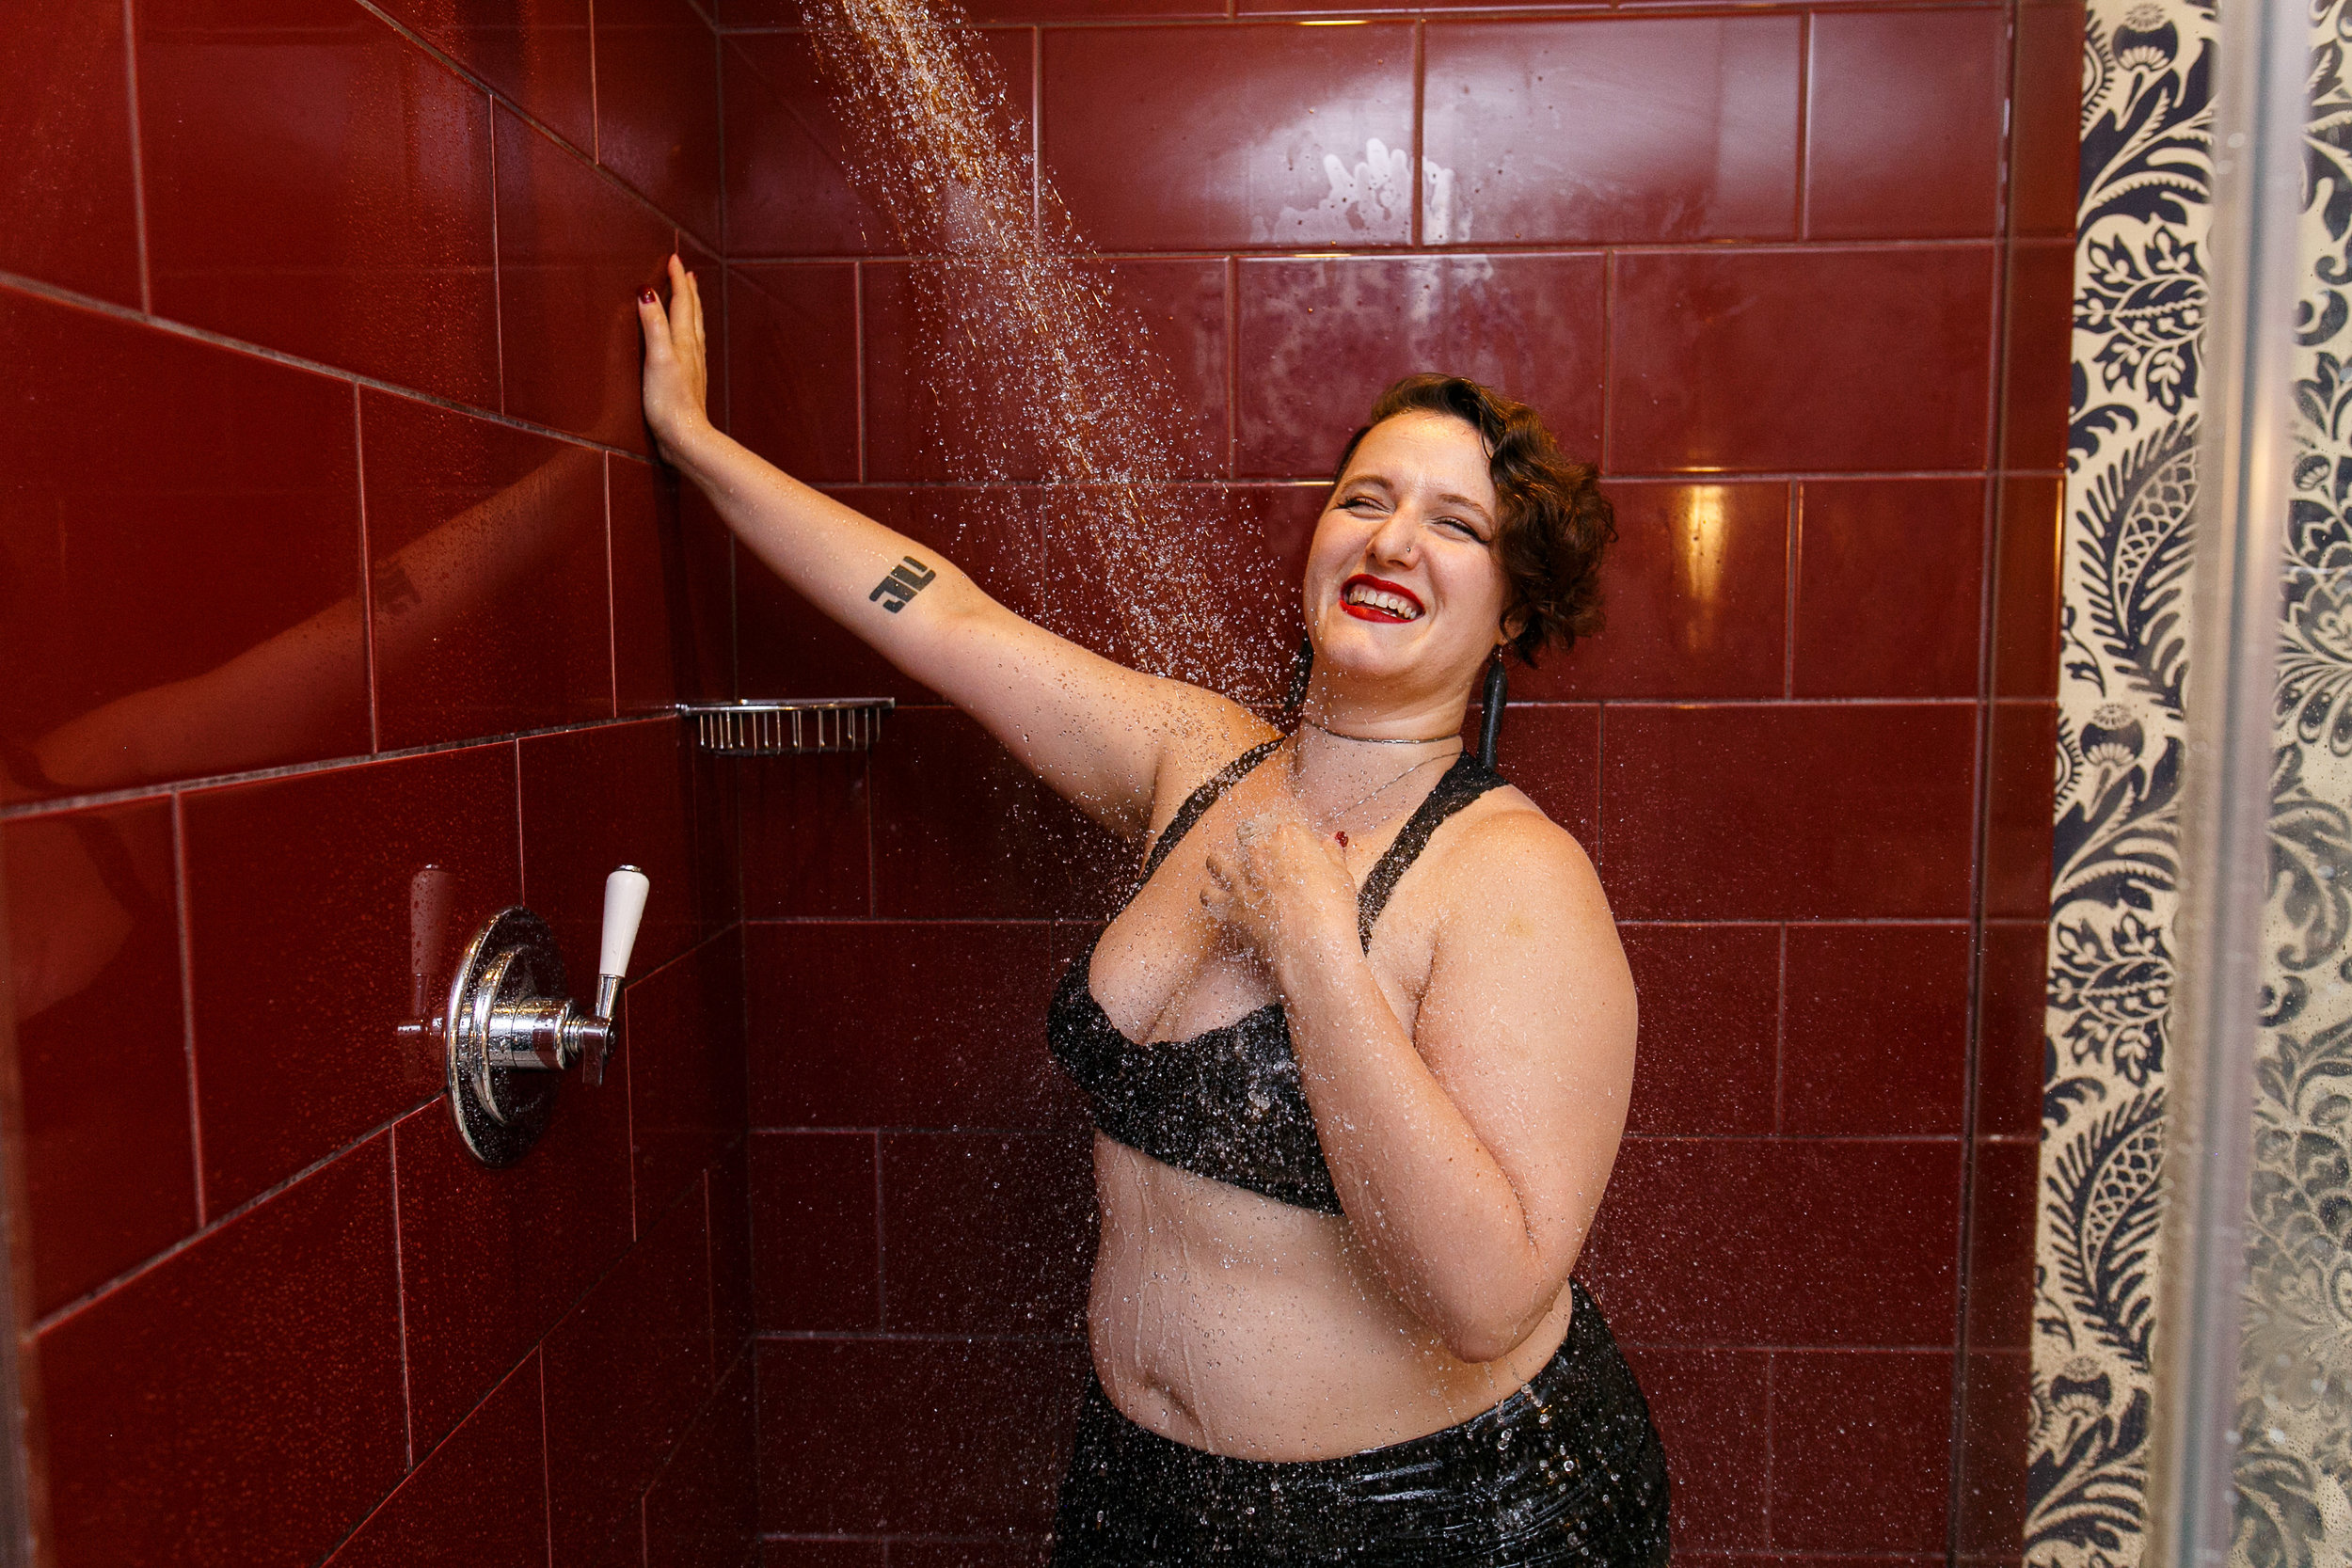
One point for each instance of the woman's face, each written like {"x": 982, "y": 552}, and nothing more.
{"x": 1404, "y": 587}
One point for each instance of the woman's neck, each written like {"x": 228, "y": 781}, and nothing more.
{"x": 1340, "y": 759}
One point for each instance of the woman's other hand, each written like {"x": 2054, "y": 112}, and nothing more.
{"x": 677, "y": 371}
{"x": 1282, "y": 887}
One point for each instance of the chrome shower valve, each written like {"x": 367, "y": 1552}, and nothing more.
{"x": 511, "y": 1029}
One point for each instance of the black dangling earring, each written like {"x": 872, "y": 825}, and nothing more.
{"x": 1490, "y": 723}
{"x": 1302, "y": 672}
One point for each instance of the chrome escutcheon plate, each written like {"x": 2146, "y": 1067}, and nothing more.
{"x": 499, "y": 1113}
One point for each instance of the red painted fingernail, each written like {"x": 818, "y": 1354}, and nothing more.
{"x": 646, "y": 296}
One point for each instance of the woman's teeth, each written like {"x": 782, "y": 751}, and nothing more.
{"x": 1395, "y": 604}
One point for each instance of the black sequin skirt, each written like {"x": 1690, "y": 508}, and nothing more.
{"x": 1567, "y": 1470}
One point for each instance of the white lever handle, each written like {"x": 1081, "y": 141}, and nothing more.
{"x": 624, "y": 907}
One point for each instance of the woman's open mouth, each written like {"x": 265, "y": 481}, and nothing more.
{"x": 1370, "y": 598}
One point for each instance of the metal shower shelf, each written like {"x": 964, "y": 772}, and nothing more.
{"x": 786, "y": 728}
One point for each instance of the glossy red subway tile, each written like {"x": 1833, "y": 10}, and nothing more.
{"x": 574, "y": 249}
{"x": 792, "y": 366}
{"x": 1722, "y": 813}
{"x": 947, "y": 399}
{"x": 1710, "y": 1409}
{"x": 2028, "y": 541}
{"x": 987, "y": 1233}
{"x": 1319, "y": 340}
{"x": 1812, "y": 359}
{"x": 1696, "y": 594}
{"x": 685, "y": 1070}
{"x": 1008, "y": 1551}
{"x": 1745, "y": 1240}
{"x": 1877, "y": 1030}
{"x": 71, "y": 200}
{"x": 805, "y": 837}
{"x": 1305, "y": 139}
{"x": 816, "y": 1231}
{"x": 490, "y": 1260}
{"x": 2004, "y": 1191}
{"x": 780, "y": 1551}
{"x": 595, "y": 799}
{"x": 2009, "y": 1028}
{"x": 962, "y": 1005}
{"x": 658, "y": 106}
{"x": 2046, "y": 121}
{"x": 837, "y": 1454}
{"x": 1680, "y": 128}
{"x": 109, "y": 1167}
{"x": 703, "y": 1509}
{"x": 268, "y": 1349}
{"x": 2038, "y": 329}
{"x": 489, "y": 601}
{"x": 1996, "y": 1438}
{"x": 963, "y": 830}
{"x": 732, "y": 1318}
{"x": 139, "y": 464}
{"x": 399, "y": 858}
{"x": 1708, "y": 1057}
{"x": 673, "y": 591}
{"x": 325, "y": 189}
{"x": 480, "y": 1500}
{"x": 1854, "y": 1468}
{"x": 1551, "y": 751}
{"x": 1890, "y": 577}
{"x": 626, "y": 1374}
{"x": 2018, "y": 812}
{"x": 1903, "y": 123}
{"x": 538, "y": 52}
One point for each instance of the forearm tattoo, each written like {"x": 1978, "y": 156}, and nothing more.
{"x": 906, "y": 579}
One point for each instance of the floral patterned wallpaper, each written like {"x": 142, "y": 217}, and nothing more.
{"x": 2139, "y": 307}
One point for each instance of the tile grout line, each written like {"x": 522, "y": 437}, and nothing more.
{"x": 1415, "y": 227}
{"x": 612, "y": 612}
{"x": 596, "y": 101}
{"x": 1791, "y": 567}
{"x": 138, "y": 156}
{"x": 186, "y": 939}
{"x": 1804, "y": 125}
{"x": 370, "y": 672}
{"x": 400, "y": 1303}
{"x": 881, "y": 1255}
{"x": 547, "y": 1459}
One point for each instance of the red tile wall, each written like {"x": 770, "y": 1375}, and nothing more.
{"x": 1796, "y": 276}
{"x": 329, "y": 554}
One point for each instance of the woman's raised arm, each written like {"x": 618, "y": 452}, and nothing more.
{"x": 1094, "y": 730}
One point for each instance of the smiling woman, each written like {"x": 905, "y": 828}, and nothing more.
{"x": 1359, "y": 1041}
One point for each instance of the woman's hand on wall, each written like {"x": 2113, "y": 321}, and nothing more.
{"x": 677, "y": 371}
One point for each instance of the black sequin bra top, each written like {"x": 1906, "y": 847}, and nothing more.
{"x": 1227, "y": 1103}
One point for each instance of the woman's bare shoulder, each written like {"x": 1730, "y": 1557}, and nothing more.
{"x": 1510, "y": 860}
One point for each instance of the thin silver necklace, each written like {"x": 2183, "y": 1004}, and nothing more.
{"x": 1330, "y": 817}
{"x": 1380, "y": 739}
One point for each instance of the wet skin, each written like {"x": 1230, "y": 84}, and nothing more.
{"x": 1468, "y": 1076}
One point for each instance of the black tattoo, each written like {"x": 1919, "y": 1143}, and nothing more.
{"x": 906, "y": 579}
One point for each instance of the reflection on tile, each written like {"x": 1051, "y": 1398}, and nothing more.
{"x": 573, "y": 251}
{"x": 94, "y": 937}
{"x": 791, "y": 367}
{"x": 2026, "y": 548}
{"x": 1304, "y": 139}
{"x": 140, "y": 465}
{"x": 1696, "y": 595}
{"x": 1903, "y": 124}
{"x": 325, "y": 189}
{"x": 536, "y": 52}
{"x": 2039, "y": 325}
{"x": 69, "y": 190}
{"x": 268, "y": 1350}
{"x": 1319, "y": 340}
{"x": 2045, "y": 133}
{"x": 1813, "y": 360}
{"x": 788, "y": 191}
{"x": 489, "y": 601}
{"x": 1681, "y": 129}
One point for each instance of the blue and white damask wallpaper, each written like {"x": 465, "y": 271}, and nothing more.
{"x": 2138, "y": 314}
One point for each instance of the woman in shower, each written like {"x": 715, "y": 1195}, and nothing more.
{"x": 1359, "y": 1042}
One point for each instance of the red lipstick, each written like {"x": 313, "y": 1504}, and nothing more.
{"x": 1377, "y": 613}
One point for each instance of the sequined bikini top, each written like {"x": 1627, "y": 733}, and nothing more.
{"x": 1227, "y": 1103}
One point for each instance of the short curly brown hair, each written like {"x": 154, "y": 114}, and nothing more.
{"x": 1556, "y": 524}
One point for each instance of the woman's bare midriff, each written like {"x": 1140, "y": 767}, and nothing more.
{"x": 1233, "y": 1322}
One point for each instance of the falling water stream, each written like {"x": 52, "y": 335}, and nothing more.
{"x": 1036, "y": 370}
